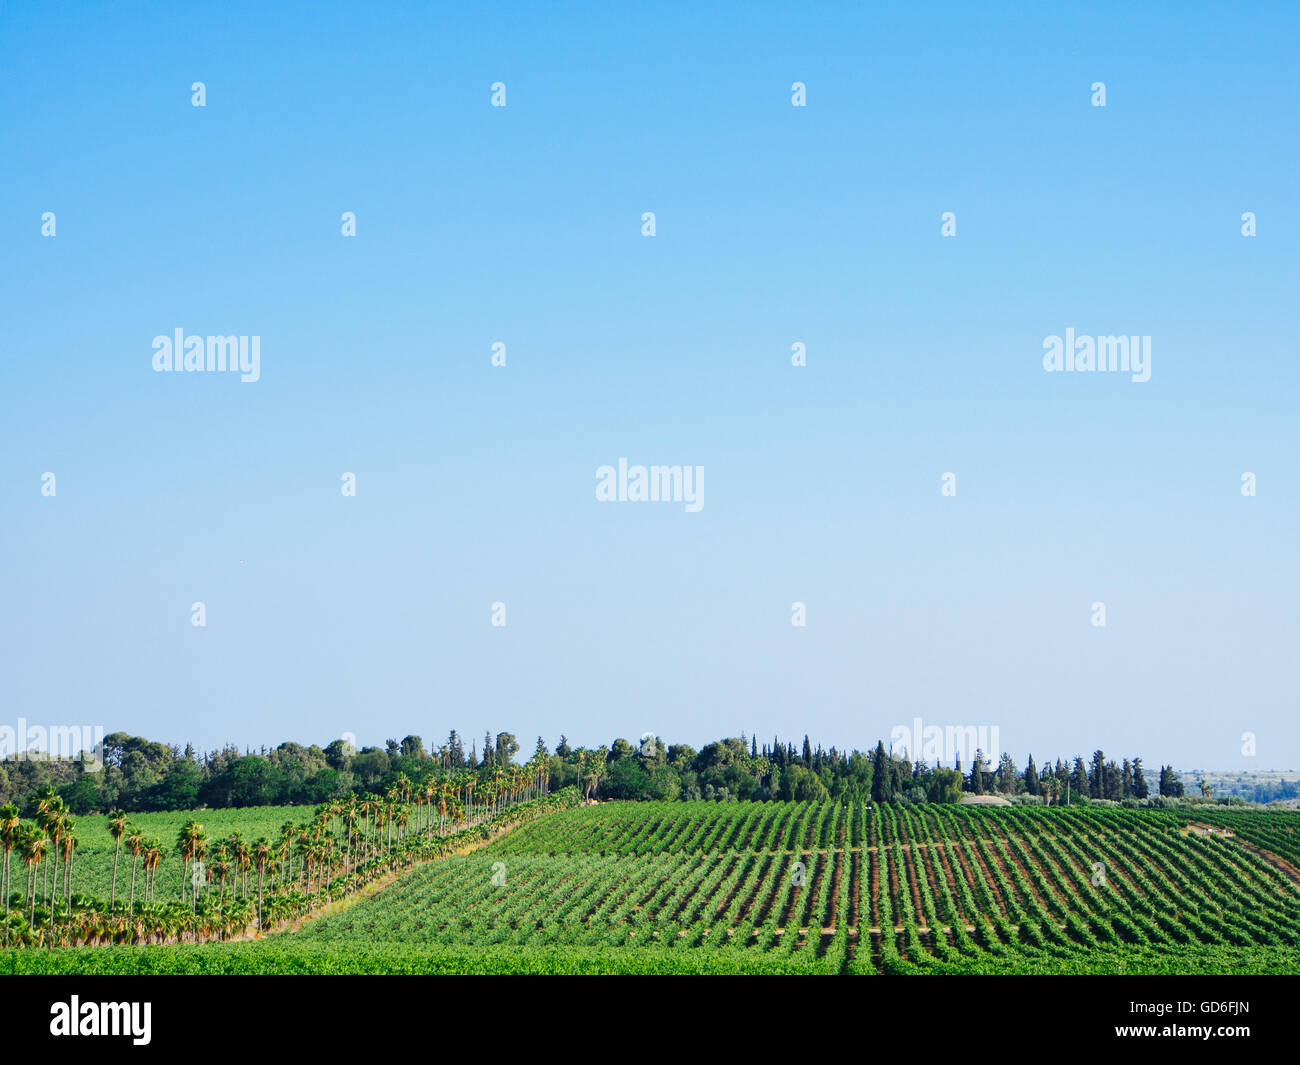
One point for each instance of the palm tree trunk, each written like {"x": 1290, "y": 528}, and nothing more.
{"x": 112, "y": 896}
{"x": 55, "y": 889}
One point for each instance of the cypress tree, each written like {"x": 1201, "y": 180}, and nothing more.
{"x": 1079, "y": 778}
{"x": 1096, "y": 778}
{"x": 882, "y": 776}
{"x": 1140, "y": 790}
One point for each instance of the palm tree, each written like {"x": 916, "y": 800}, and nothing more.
{"x": 262, "y": 854}
{"x": 444, "y": 793}
{"x": 389, "y": 806}
{"x": 56, "y": 828}
{"x": 135, "y": 846}
{"x": 363, "y": 833}
{"x": 10, "y": 826}
{"x": 239, "y": 851}
{"x": 587, "y": 762}
{"x": 49, "y": 812}
{"x": 188, "y": 842}
{"x": 349, "y": 813}
{"x": 308, "y": 855}
{"x": 284, "y": 847}
{"x": 69, "y": 844}
{"x": 430, "y": 789}
{"x": 200, "y": 873}
{"x": 32, "y": 848}
{"x": 328, "y": 847}
{"x": 116, "y": 829}
{"x": 403, "y": 814}
{"x": 221, "y": 863}
{"x": 245, "y": 855}
{"x": 152, "y": 859}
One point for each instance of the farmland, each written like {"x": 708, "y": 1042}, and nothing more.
{"x": 229, "y": 888}
{"x": 806, "y": 888}
{"x": 94, "y": 859}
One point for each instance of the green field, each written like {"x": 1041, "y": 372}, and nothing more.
{"x": 806, "y": 888}
{"x": 93, "y": 866}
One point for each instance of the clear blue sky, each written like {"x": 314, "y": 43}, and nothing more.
{"x": 775, "y": 224}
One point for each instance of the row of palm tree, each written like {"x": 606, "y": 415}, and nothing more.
{"x": 346, "y": 843}
{"x": 591, "y": 765}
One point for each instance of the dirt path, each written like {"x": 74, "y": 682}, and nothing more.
{"x": 346, "y": 902}
{"x": 1279, "y": 863}
{"x": 1286, "y": 868}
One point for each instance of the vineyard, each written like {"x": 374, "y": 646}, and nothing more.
{"x": 232, "y": 887}
{"x": 810, "y": 888}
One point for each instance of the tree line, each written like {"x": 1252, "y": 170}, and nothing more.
{"x": 134, "y": 774}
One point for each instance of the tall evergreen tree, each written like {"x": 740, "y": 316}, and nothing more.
{"x": 1096, "y": 787}
{"x": 1111, "y": 780}
{"x": 1006, "y": 782}
{"x": 882, "y": 776}
{"x": 1031, "y": 777}
{"x": 902, "y": 771}
{"x": 1079, "y": 783}
{"x": 1171, "y": 784}
{"x": 1140, "y": 790}
{"x": 506, "y": 748}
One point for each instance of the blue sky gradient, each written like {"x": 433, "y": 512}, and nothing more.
{"x": 775, "y": 224}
